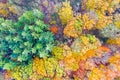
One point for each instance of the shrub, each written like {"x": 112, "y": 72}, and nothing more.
{"x": 24, "y": 39}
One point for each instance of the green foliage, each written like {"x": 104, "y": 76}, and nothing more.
{"x": 1, "y": 20}
{"x": 21, "y": 40}
{"x": 78, "y": 25}
{"x": 110, "y": 31}
{"x": 92, "y": 38}
{"x": 46, "y": 79}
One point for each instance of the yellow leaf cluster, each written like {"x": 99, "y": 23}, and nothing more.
{"x": 45, "y": 68}
{"x": 114, "y": 59}
{"x": 58, "y": 52}
{"x": 96, "y": 74}
{"x": 103, "y": 21}
{"x": 87, "y": 22}
{"x": 117, "y": 24}
{"x": 3, "y": 12}
{"x": 38, "y": 66}
{"x": 74, "y": 27}
{"x": 71, "y": 62}
{"x": 66, "y": 50}
{"x": 84, "y": 40}
{"x": 65, "y": 13}
{"x": 90, "y": 53}
{"x": 117, "y": 20}
{"x": 5, "y": 9}
{"x": 50, "y": 66}
{"x": 115, "y": 41}
{"x": 91, "y": 4}
{"x": 35, "y": 76}
{"x": 83, "y": 44}
{"x": 12, "y": 9}
{"x": 57, "y": 78}
{"x": 70, "y": 30}
{"x": 100, "y": 5}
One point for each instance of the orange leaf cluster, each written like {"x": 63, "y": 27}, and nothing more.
{"x": 54, "y": 29}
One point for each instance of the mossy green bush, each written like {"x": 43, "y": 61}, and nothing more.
{"x": 22, "y": 40}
